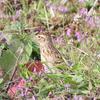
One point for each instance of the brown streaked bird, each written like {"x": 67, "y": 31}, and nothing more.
{"x": 49, "y": 53}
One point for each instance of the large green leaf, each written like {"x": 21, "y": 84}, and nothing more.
{"x": 47, "y": 89}
{"x": 27, "y": 52}
{"x": 10, "y": 56}
{"x": 7, "y": 61}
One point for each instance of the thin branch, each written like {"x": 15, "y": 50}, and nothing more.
{"x": 14, "y": 71}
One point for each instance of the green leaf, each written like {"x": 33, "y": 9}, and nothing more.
{"x": 9, "y": 57}
{"x": 78, "y": 68}
{"x": 7, "y": 61}
{"x": 85, "y": 91}
{"x": 27, "y": 52}
{"x": 77, "y": 79}
{"x": 24, "y": 72}
{"x": 1, "y": 80}
{"x": 2, "y": 87}
{"x": 47, "y": 89}
{"x": 61, "y": 66}
{"x": 90, "y": 85}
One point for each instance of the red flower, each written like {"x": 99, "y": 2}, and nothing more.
{"x": 35, "y": 66}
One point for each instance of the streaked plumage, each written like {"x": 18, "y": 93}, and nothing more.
{"x": 49, "y": 53}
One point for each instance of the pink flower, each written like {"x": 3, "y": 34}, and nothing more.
{"x": 97, "y": 20}
{"x": 87, "y": 18}
{"x": 56, "y": 99}
{"x": 83, "y": 12}
{"x": 26, "y": 90}
{"x": 34, "y": 70}
{"x": 13, "y": 18}
{"x": 40, "y": 73}
{"x": 91, "y": 22}
{"x": 87, "y": 41}
{"x": 80, "y": 98}
{"x": 65, "y": 9}
{"x": 33, "y": 98}
{"x": 18, "y": 11}
{"x": 67, "y": 85}
{"x": 86, "y": 34}
{"x": 98, "y": 25}
{"x": 62, "y": 9}
{"x": 5, "y": 37}
{"x": 15, "y": 1}
{"x": 59, "y": 40}
{"x": 75, "y": 97}
{"x": 41, "y": 30}
{"x": 47, "y": 3}
{"x": 53, "y": 7}
{"x": 1, "y": 32}
{"x": 45, "y": 69}
{"x": 94, "y": 98}
{"x": 83, "y": 35}
{"x": 82, "y": 1}
{"x": 2, "y": 1}
{"x": 79, "y": 38}
{"x": 68, "y": 32}
{"x": 1, "y": 15}
{"x": 30, "y": 78}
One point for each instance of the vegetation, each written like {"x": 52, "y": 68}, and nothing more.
{"x": 75, "y": 28}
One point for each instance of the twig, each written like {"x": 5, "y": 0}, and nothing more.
{"x": 92, "y": 8}
{"x": 14, "y": 71}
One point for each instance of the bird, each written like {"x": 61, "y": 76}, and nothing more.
{"x": 48, "y": 52}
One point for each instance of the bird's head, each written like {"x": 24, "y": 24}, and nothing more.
{"x": 43, "y": 37}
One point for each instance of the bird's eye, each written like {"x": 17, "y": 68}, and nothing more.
{"x": 39, "y": 36}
